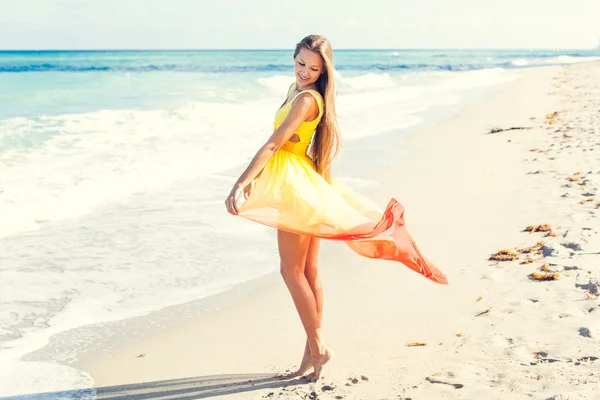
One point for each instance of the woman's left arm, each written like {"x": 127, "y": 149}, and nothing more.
{"x": 302, "y": 108}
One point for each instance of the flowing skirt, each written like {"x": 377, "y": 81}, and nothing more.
{"x": 290, "y": 195}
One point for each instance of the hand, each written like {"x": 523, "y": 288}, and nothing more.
{"x": 232, "y": 199}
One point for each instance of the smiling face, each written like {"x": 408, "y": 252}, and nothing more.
{"x": 308, "y": 67}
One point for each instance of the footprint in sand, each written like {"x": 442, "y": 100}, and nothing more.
{"x": 572, "y": 245}
{"x": 585, "y": 332}
{"x": 591, "y": 287}
{"x": 588, "y": 359}
{"x": 455, "y": 385}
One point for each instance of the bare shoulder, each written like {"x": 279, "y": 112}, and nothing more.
{"x": 306, "y": 99}
{"x": 305, "y": 107}
{"x": 307, "y": 102}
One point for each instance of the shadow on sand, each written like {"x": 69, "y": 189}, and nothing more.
{"x": 180, "y": 389}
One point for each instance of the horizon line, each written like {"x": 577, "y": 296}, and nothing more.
{"x": 289, "y": 49}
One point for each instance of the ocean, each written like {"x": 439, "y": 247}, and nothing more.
{"x": 114, "y": 168}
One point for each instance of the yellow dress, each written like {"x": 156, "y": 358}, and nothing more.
{"x": 290, "y": 195}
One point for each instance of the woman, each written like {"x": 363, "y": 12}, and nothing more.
{"x": 287, "y": 186}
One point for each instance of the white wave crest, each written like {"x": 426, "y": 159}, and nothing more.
{"x": 569, "y": 59}
{"x": 368, "y": 81}
{"x": 519, "y": 62}
{"x": 276, "y": 84}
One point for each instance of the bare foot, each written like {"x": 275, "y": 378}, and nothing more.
{"x": 305, "y": 365}
{"x": 318, "y": 363}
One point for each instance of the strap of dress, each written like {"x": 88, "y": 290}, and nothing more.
{"x": 292, "y": 86}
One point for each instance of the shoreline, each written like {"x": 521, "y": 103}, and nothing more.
{"x": 362, "y": 350}
{"x": 49, "y": 354}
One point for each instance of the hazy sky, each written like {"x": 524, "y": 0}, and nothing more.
{"x": 240, "y": 24}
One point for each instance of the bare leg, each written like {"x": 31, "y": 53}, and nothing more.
{"x": 311, "y": 272}
{"x": 293, "y": 250}
{"x": 306, "y": 363}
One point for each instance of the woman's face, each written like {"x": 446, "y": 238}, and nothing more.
{"x": 308, "y": 66}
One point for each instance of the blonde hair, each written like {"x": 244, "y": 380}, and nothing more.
{"x": 327, "y": 139}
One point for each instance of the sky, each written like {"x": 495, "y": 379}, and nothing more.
{"x": 280, "y": 24}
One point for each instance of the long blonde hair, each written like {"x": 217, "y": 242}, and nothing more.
{"x": 327, "y": 139}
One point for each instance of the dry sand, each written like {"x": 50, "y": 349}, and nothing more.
{"x": 493, "y": 333}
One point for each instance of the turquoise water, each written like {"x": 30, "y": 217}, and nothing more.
{"x": 114, "y": 166}
{"x": 52, "y": 83}
{"x": 56, "y": 82}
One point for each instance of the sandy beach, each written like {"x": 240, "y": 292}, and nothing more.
{"x": 495, "y": 332}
